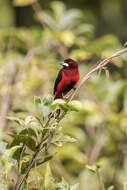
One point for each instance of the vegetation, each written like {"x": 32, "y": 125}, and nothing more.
{"x": 85, "y": 146}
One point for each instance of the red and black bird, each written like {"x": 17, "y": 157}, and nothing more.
{"x": 67, "y": 78}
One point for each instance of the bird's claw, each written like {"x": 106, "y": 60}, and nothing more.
{"x": 65, "y": 99}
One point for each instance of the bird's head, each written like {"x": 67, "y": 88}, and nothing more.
{"x": 69, "y": 63}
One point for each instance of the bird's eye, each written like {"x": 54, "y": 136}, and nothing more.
{"x": 65, "y": 64}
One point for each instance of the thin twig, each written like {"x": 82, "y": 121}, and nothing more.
{"x": 36, "y": 178}
{"x": 38, "y": 11}
{"x": 19, "y": 165}
{"x": 32, "y": 162}
{"x": 96, "y": 150}
{"x": 28, "y": 170}
{"x": 100, "y": 65}
{"x": 40, "y": 146}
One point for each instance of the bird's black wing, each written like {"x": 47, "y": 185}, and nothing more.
{"x": 69, "y": 87}
{"x": 58, "y": 79}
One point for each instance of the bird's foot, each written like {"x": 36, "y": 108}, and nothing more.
{"x": 65, "y": 99}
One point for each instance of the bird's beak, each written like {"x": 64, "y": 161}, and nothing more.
{"x": 65, "y": 64}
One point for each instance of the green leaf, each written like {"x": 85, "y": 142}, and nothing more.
{"x": 63, "y": 185}
{"x": 48, "y": 181}
{"x": 48, "y": 100}
{"x": 71, "y": 106}
{"x": 29, "y": 119}
{"x": 7, "y": 157}
{"x": 37, "y": 100}
{"x": 93, "y": 168}
{"x": 24, "y": 167}
{"x": 111, "y": 187}
{"x": 75, "y": 105}
{"x": 23, "y": 2}
{"x": 29, "y": 131}
{"x": 26, "y": 161}
{"x": 34, "y": 123}
{"x": 17, "y": 120}
{"x": 43, "y": 160}
{"x": 46, "y": 110}
{"x": 38, "y": 105}
{"x": 57, "y": 103}
{"x": 60, "y": 104}
{"x": 25, "y": 140}
{"x": 43, "y": 107}
{"x": 59, "y": 139}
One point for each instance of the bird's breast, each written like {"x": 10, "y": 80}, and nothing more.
{"x": 71, "y": 75}
{"x": 68, "y": 78}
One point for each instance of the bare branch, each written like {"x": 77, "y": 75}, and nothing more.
{"x": 96, "y": 150}
{"x": 38, "y": 11}
{"x": 39, "y": 148}
{"x": 36, "y": 177}
{"x": 100, "y": 65}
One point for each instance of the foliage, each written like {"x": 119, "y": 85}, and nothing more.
{"x": 89, "y": 132}
{"x": 36, "y": 134}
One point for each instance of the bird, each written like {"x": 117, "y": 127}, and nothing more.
{"x": 67, "y": 78}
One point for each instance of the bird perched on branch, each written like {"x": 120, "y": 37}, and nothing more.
{"x": 67, "y": 78}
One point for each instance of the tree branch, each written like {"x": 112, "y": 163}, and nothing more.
{"x": 40, "y": 146}
{"x": 36, "y": 176}
{"x": 38, "y": 11}
{"x": 100, "y": 65}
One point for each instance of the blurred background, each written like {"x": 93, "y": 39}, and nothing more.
{"x": 35, "y": 36}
